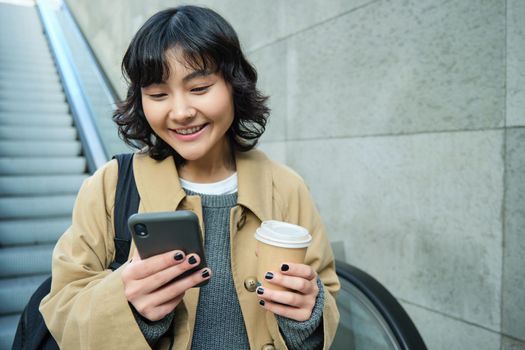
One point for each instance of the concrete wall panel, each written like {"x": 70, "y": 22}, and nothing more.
{"x": 512, "y": 344}
{"x": 421, "y": 213}
{"x": 274, "y": 150}
{"x": 513, "y": 322}
{"x": 271, "y": 69}
{"x": 515, "y": 63}
{"x": 257, "y": 23}
{"x": 399, "y": 67}
{"x": 443, "y": 333}
{"x": 302, "y": 14}
{"x": 262, "y": 22}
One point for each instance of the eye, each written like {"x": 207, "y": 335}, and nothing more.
{"x": 201, "y": 89}
{"x": 158, "y": 96}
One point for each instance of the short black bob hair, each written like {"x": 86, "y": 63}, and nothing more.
{"x": 207, "y": 42}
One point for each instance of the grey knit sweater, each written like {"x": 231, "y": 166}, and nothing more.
{"x": 219, "y": 323}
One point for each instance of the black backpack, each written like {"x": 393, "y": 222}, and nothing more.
{"x": 32, "y": 333}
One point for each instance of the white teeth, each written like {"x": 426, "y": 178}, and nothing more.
{"x": 188, "y": 131}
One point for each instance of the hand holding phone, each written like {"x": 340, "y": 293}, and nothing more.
{"x": 157, "y": 278}
{"x": 159, "y": 232}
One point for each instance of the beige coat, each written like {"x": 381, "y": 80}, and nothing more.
{"x": 87, "y": 309}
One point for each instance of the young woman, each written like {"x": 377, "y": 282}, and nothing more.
{"x": 194, "y": 110}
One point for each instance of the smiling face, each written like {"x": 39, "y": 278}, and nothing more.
{"x": 191, "y": 111}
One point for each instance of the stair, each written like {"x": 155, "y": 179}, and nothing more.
{"x": 41, "y": 162}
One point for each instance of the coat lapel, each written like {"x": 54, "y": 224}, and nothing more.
{"x": 255, "y": 183}
{"x": 157, "y": 183}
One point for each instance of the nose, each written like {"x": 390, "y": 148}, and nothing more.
{"x": 181, "y": 111}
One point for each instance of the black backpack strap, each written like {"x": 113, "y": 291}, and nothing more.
{"x": 126, "y": 203}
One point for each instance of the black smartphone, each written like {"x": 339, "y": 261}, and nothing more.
{"x": 160, "y": 232}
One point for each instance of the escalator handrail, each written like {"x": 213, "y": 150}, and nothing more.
{"x": 394, "y": 314}
{"x": 82, "y": 113}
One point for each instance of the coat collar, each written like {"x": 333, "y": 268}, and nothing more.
{"x": 159, "y": 187}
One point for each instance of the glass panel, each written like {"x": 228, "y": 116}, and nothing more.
{"x": 361, "y": 327}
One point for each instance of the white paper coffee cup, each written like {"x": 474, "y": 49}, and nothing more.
{"x": 279, "y": 242}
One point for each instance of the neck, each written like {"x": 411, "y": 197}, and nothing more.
{"x": 214, "y": 167}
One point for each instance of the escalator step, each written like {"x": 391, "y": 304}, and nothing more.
{"x": 40, "y": 185}
{"x": 47, "y": 65}
{"x": 13, "y": 54}
{"x": 8, "y": 326}
{"x": 22, "y": 85}
{"x": 31, "y": 106}
{"x": 41, "y": 166}
{"x": 36, "y": 207}
{"x": 25, "y": 47}
{"x": 33, "y": 231}
{"x": 31, "y": 96}
{"x": 15, "y": 292}
{"x": 18, "y": 74}
{"x": 37, "y": 70}
{"x": 25, "y": 261}
{"x": 42, "y": 148}
{"x": 41, "y": 133}
{"x": 30, "y": 41}
{"x": 35, "y": 119}
{"x": 33, "y": 86}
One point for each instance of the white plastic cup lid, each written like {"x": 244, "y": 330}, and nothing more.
{"x": 283, "y": 234}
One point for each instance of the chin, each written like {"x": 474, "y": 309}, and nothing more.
{"x": 189, "y": 156}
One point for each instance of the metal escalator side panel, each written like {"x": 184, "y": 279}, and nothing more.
{"x": 80, "y": 107}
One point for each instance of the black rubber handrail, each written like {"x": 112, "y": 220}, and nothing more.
{"x": 394, "y": 314}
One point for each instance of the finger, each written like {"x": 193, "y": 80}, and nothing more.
{"x": 178, "y": 287}
{"x": 159, "y": 312}
{"x": 298, "y": 270}
{"x": 147, "y": 267}
{"x": 283, "y": 297}
{"x": 147, "y": 304}
{"x": 163, "y": 277}
{"x": 298, "y": 284}
{"x": 293, "y": 313}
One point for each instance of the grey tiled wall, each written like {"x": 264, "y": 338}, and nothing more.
{"x": 406, "y": 118}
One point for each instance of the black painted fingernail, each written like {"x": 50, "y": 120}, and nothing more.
{"x": 285, "y": 267}
{"x": 260, "y": 290}
{"x": 261, "y": 302}
{"x": 205, "y": 274}
{"x": 258, "y": 284}
{"x": 268, "y": 275}
{"x": 192, "y": 260}
{"x": 178, "y": 256}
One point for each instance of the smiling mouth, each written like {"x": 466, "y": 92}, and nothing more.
{"x": 189, "y": 131}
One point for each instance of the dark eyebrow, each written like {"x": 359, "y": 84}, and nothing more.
{"x": 197, "y": 74}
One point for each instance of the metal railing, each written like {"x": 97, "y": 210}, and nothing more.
{"x": 90, "y": 97}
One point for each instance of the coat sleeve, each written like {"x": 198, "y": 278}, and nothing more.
{"x": 299, "y": 208}
{"x": 86, "y": 307}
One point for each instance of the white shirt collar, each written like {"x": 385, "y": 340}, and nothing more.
{"x": 226, "y": 186}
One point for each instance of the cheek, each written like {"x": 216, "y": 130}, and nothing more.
{"x": 222, "y": 107}
{"x": 151, "y": 111}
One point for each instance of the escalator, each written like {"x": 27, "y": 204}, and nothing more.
{"x": 41, "y": 166}
{"x": 371, "y": 317}
{"x": 55, "y": 131}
